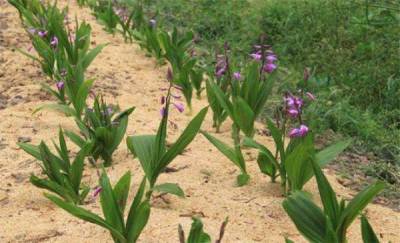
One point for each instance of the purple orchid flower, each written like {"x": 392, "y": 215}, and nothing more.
{"x": 162, "y": 101}
{"x": 180, "y": 107}
{"x": 256, "y": 56}
{"x": 42, "y": 34}
{"x": 54, "y": 41}
{"x": 237, "y": 75}
{"x": 163, "y": 112}
{"x": 269, "y": 67}
{"x": 299, "y": 132}
{"x": 60, "y": 85}
{"x": 97, "y": 191}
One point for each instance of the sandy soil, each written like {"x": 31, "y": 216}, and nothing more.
{"x": 129, "y": 78}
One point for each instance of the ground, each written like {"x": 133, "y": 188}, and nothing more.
{"x": 127, "y": 77}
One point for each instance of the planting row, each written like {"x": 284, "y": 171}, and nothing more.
{"x": 237, "y": 91}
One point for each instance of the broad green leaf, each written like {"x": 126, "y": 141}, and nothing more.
{"x": 225, "y": 150}
{"x": 197, "y": 234}
{"x": 326, "y": 155}
{"x": 86, "y": 215}
{"x": 135, "y": 204}
{"x": 121, "y": 191}
{"x": 68, "y": 111}
{"x": 171, "y": 188}
{"x": 243, "y": 116}
{"x": 143, "y": 147}
{"x": 357, "y": 204}
{"x": 308, "y": 217}
{"x": 91, "y": 55}
{"x": 368, "y": 234}
{"x": 31, "y": 149}
{"x": 277, "y": 136}
{"x": 76, "y": 169}
{"x": 53, "y": 187}
{"x": 109, "y": 204}
{"x": 183, "y": 141}
{"x": 328, "y": 196}
{"x": 75, "y": 138}
{"x": 139, "y": 221}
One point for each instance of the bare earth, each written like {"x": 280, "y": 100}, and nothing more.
{"x": 129, "y": 78}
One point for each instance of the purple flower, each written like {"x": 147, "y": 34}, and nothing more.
{"x": 237, "y": 75}
{"x": 180, "y": 107}
{"x": 256, "y": 56}
{"x": 176, "y": 96}
{"x": 271, "y": 58}
{"x": 163, "y": 112}
{"x": 97, "y": 190}
{"x": 42, "y": 34}
{"x": 60, "y": 85}
{"x": 221, "y": 66}
{"x": 310, "y": 96}
{"x": 293, "y": 112}
{"x": 109, "y": 111}
{"x": 54, "y": 41}
{"x": 269, "y": 67}
{"x": 32, "y": 30}
{"x": 299, "y": 132}
{"x": 162, "y": 101}
{"x": 153, "y": 22}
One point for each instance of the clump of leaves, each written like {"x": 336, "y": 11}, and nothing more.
{"x": 63, "y": 54}
{"x": 63, "y": 177}
{"x": 177, "y": 49}
{"x": 147, "y": 36}
{"x": 197, "y": 234}
{"x": 113, "y": 203}
{"x": 152, "y": 151}
{"x": 329, "y": 224}
{"x": 103, "y": 127}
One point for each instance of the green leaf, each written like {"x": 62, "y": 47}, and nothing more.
{"x": 143, "y": 147}
{"x": 135, "y": 204}
{"x": 121, "y": 191}
{"x": 76, "y": 169}
{"x": 308, "y": 217}
{"x": 328, "y": 196}
{"x": 277, "y": 136}
{"x": 298, "y": 162}
{"x": 183, "y": 141}
{"x": 197, "y": 234}
{"x": 109, "y": 204}
{"x": 75, "y": 138}
{"x": 140, "y": 219}
{"x": 171, "y": 188}
{"x": 243, "y": 116}
{"x": 86, "y": 215}
{"x": 91, "y": 55}
{"x": 357, "y": 204}
{"x": 68, "y": 111}
{"x": 368, "y": 234}
{"x": 229, "y": 152}
{"x": 53, "y": 187}
{"x": 31, "y": 149}
{"x": 326, "y": 155}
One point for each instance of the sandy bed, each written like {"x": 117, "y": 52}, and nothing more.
{"x": 129, "y": 78}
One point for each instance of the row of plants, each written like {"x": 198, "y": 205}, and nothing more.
{"x": 235, "y": 90}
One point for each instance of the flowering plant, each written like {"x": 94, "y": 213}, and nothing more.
{"x": 63, "y": 177}
{"x": 292, "y": 162}
{"x": 243, "y": 104}
{"x": 103, "y": 127}
{"x": 113, "y": 203}
{"x": 331, "y": 223}
{"x": 152, "y": 152}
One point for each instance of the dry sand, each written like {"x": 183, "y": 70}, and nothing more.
{"x": 129, "y": 78}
